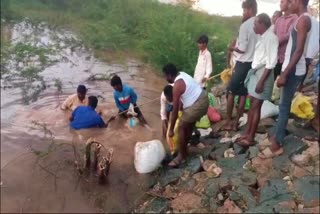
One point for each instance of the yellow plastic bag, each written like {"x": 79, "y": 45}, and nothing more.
{"x": 226, "y": 76}
{"x": 302, "y": 107}
{"x": 173, "y": 141}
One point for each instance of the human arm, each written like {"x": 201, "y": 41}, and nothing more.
{"x": 71, "y": 118}
{"x": 163, "y": 114}
{"x": 208, "y": 67}
{"x": 67, "y": 103}
{"x": 133, "y": 97}
{"x": 178, "y": 89}
{"x": 303, "y": 27}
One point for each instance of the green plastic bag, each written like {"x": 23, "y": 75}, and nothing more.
{"x": 204, "y": 123}
{"x": 247, "y": 105}
{"x": 212, "y": 100}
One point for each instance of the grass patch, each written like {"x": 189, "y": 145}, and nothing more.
{"x": 156, "y": 32}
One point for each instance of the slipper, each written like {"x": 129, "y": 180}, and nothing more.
{"x": 245, "y": 143}
{"x": 267, "y": 153}
{"x": 176, "y": 162}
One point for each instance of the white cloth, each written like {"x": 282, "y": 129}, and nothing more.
{"x": 301, "y": 64}
{"x": 192, "y": 92}
{"x": 266, "y": 51}
{"x": 203, "y": 67}
{"x": 163, "y": 102}
{"x": 313, "y": 45}
{"x": 246, "y": 41}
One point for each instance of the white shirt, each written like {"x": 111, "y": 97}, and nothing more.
{"x": 203, "y": 67}
{"x": 246, "y": 41}
{"x": 163, "y": 102}
{"x": 266, "y": 51}
{"x": 192, "y": 92}
{"x": 313, "y": 45}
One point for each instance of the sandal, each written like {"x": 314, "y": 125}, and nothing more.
{"x": 176, "y": 162}
{"x": 245, "y": 143}
{"x": 267, "y": 153}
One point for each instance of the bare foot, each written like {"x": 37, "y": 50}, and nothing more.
{"x": 242, "y": 137}
{"x": 235, "y": 126}
{"x": 227, "y": 126}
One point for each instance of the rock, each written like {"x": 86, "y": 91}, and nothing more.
{"x": 314, "y": 210}
{"x": 211, "y": 188}
{"x": 185, "y": 202}
{"x": 217, "y": 126}
{"x": 298, "y": 172}
{"x": 262, "y": 180}
{"x": 169, "y": 192}
{"x": 262, "y": 166}
{"x": 187, "y": 185}
{"x": 260, "y": 138}
{"x": 220, "y": 197}
{"x": 170, "y": 176}
{"x": 156, "y": 205}
{"x": 246, "y": 196}
{"x": 267, "y": 122}
{"x": 301, "y": 159}
{"x": 245, "y": 177}
{"x": 210, "y": 166}
{"x": 226, "y": 140}
{"x": 218, "y": 151}
{"x": 193, "y": 165}
{"x": 229, "y": 207}
{"x": 229, "y": 153}
{"x": 285, "y": 207}
{"x": 307, "y": 188}
{"x": 261, "y": 129}
{"x": 238, "y": 149}
{"x": 253, "y": 152}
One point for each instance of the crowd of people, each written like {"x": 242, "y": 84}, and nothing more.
{"x": 267, "y": 50}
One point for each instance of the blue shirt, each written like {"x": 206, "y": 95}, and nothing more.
{"x": 86, "y": 117}
{"x": 125, "y": 97}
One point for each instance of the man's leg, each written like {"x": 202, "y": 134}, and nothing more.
{"x": 256, "y": 112}
{"x": 139, "y": 115}
{"x": 240, "y": 110}
{"x": 230, "y": 104}
{"x": 286, "y": 96}
{"x": 184, "y": 135}
{"x": 249, "y": 123}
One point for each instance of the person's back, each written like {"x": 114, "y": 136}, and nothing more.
{"x": 84, "y": 117}
{"x": 192, "y": 92}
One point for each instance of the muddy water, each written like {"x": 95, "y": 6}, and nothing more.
{"x": 37, "y": 162}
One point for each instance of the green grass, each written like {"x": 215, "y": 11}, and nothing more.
{"x": 155, "y": 32}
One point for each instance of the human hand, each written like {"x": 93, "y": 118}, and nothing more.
{"x": 259, "y": 88}
{"x": 282, "y": 80}
{"x": 204, "y": 79}
{"x": 171, "y": 133}
{"x": 112, "y": 118}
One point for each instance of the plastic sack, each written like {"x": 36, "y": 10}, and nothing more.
{"x": 275, "y": 91}
{"x": 269, "y": 109}
{"x": 148, "y": 155}
{"x": 173, "y": 141}
{"x": 203, "y": 123}
{"x": 247, "y": 105}
{"x": 213, "y": 115}
{"x": 302, "y": 107}
{"x": 225, "y": 76}
{"x": 212, "y": 100}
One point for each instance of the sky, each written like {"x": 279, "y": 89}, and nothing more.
{"x": 233, "y": 7}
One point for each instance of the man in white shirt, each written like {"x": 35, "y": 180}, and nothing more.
{"x": 259, "y": 81}
{"x": 244, "y": 49}
{"x": 195, "y": 104}
{"x": 204, "y": 64}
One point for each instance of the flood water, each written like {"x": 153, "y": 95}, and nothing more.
{"x": 37, "y": 162}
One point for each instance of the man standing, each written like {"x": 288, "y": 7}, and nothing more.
{"x": 195, "y": 104}
{"x": 294, "y": 68}
{"x": 282, "y": 29}
{"x": 244, "y": 49}
{"x": 260, "y": 78}
{"x": 204, "y": 64}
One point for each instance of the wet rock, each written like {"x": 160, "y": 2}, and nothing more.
{"x": 212, "y": 188}
{"x": 262, "y": 166}
{"x": 253, "y": 152}
{"x": 188, "y": 184}
{"x": 246, "y": 196}
{"x": 307, "y": 188}
{"x": 185, "y": 202}
{"x": 170, "y": 176}
{"x": 245, "y": 177}
{"x": 301, "y": 159}
{"x": 169, "y": 192}
{"x": 156, "y": 205}
{"x": 229, "y": 153}
{"x": 218, "y": 151}
{"x": 229, "y": 207}
{"x": 238, "y": 149}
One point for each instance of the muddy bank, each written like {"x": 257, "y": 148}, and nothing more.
{"x": 43, "y": 66}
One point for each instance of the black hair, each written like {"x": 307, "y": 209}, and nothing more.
{"x": 170, "y": 69}
{"x": 93, "y": 101}
{"x": 305, "y": 2}
{"x": 168, "y": 91}
{"x": 82, "y": 89}
{"x": 115, "y": 80}
{"x": 251, "y": 4}
{"x": 264, "y": 19}
{"x": 203, "y": 39}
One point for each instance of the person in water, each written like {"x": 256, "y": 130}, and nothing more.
{"x": 75, "y": 100}
{"x": 84, "y": 117}
{"x": 124, "y": 96}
